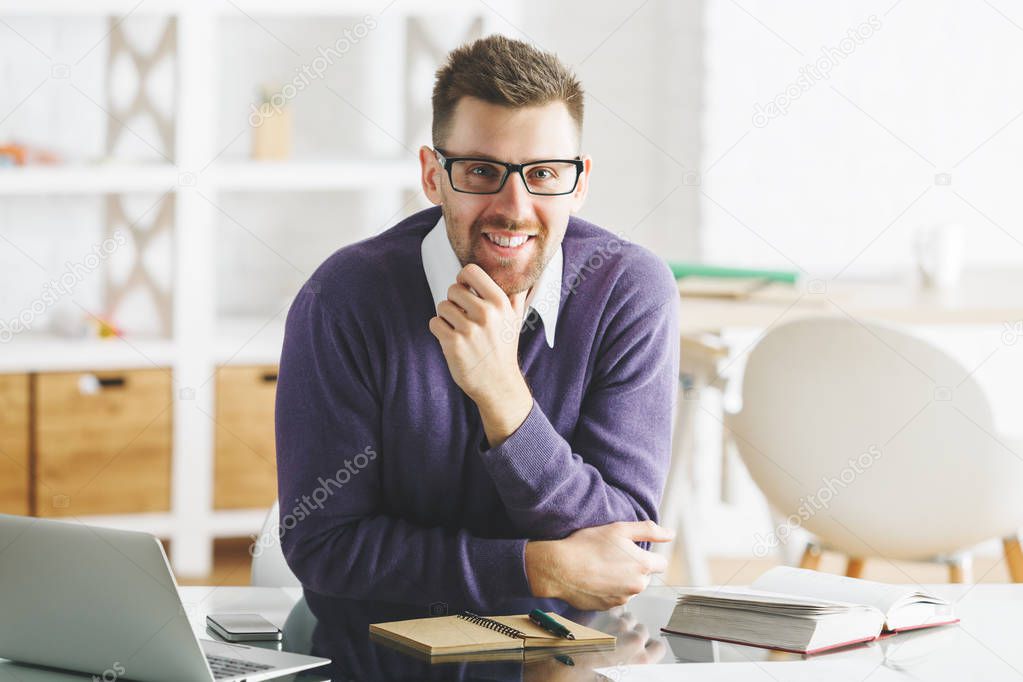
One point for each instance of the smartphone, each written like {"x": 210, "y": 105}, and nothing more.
{"x": 243, "y": 627}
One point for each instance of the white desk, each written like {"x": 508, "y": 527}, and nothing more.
{"x": 985, "y": 647}
{"x": 982, "y": 297}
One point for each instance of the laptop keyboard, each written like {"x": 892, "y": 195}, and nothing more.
{"x": 232, "y": 667}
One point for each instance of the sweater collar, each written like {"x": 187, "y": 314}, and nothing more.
{"x": 442, "y": 267}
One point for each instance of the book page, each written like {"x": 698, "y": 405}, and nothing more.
{"x": 758, "y": 597}
{"x": 814, "y": 584}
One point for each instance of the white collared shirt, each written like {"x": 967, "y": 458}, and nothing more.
{"x": 442, "y": 267}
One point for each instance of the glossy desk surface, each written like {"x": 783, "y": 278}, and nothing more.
{"x": 988, "y": 645}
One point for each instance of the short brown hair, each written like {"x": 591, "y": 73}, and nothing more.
{"x": 499, "y": 70}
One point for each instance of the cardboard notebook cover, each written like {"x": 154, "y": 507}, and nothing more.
{"x": 456, "y": 635}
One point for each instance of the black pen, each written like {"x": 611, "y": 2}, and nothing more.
{"x": 549, "y": 624}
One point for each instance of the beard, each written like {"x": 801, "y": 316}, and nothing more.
{"x": 513, "y": 274}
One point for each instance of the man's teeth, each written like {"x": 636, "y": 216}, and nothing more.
{"x": 507, "y": 241}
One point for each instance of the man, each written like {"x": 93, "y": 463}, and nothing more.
{"x": 437, "y": 445}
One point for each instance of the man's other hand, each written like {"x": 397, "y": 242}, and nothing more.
{"x": 596, "y": 568}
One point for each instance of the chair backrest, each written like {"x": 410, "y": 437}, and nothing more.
{"x": 269, "y": 569}
{"x": 875, "y": 441}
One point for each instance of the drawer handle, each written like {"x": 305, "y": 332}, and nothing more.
{"x": 90, "y": 384}
{"x": 270, "y": 377}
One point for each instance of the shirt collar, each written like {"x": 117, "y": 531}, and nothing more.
{"x": 442, "y": 267}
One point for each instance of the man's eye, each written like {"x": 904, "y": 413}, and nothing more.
{"x": 543, "y": 173}
{"x": 483, "y": 171}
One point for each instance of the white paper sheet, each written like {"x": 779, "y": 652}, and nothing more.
{"x": 771, "y": 671}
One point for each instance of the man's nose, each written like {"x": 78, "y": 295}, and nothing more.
{"x": 514, "y": 200}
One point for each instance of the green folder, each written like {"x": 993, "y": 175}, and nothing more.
{"x": 681, "y": 270}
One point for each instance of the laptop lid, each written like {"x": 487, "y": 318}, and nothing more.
{"x": 93, "y": 600}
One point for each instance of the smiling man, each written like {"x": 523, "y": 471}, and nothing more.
{"x": 474, "y": 407}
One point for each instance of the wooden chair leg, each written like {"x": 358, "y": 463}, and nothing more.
{"x": 854, "y": 567}
{"x": 1014, "y": 557}
{"x": 811, "y": 556}
{"x": 960, "y": 569}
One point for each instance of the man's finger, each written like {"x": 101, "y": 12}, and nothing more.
{"x": 453, "y": 315}
{"x": 476, "y": 277}
{"x": 655, "y": 562}
{"x": 471, "y": 303}
{"x": 647, "y": 531}
{"x": 518, "y": 302}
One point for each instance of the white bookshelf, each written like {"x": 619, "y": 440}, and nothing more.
{"x": 314, "y": 175}
{"x": 254, "y": 176}
{"x": 98, "y": 179}
{"x": 203, "y": 339}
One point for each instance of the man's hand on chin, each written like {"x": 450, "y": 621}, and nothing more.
{"x": 478, "y": 330}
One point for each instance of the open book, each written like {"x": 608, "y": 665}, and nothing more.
{"x": 463, "y": 634}
{"x": 803, "y": 611}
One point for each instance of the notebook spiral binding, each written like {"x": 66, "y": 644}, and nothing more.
{"x": 506, "y": 630}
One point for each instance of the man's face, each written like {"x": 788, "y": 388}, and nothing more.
{"x": 511, "y": 135}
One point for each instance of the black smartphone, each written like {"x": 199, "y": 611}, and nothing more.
{"x": 243, "y": 627}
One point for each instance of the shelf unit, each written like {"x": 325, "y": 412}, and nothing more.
{"x": 256, "y": 176}
{"x": 201, "y": 340}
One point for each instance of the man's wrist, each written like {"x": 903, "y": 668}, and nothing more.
{"x": 516, "y": 391}
{"x": 503, "y": 415}
{"x": 540, "y": 566}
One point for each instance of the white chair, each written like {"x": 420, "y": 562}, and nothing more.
{"x": 269, "y": 569}
{"x": 879, "y": 444}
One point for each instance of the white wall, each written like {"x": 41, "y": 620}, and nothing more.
{"x": 639, "y": 63}
{"x": 851, "y": 166}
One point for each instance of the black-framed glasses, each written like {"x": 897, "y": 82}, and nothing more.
{"x": 477, "y": 175}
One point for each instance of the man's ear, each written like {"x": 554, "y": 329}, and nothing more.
{"x": 579, "y": 195}
{"x": 430, "y": 174}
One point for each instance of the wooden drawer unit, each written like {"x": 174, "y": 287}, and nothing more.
{"x": 245, "y": 468}
{"x": 103, "y": 442}
{"x": 14, "y": 444}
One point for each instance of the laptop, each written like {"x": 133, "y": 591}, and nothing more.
{"x": 105, "y": 602}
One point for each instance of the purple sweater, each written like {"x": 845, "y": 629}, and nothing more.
{"x": 388, "y": 487}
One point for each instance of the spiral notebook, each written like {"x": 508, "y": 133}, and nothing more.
{"x": 469, "y": 633}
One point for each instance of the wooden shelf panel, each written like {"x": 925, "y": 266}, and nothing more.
{"x": 14, "y": 444}
{"x": 103, "y": 442}
{"x": 245, "y": 460}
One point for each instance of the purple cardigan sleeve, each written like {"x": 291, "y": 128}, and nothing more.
{"x": 615, "y": 467}
{"x": 335, "y": 537}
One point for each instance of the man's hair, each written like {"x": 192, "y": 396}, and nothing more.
{"x": 502, "y": 71}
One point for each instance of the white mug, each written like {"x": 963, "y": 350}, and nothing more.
{"x": 939, "y": 255}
